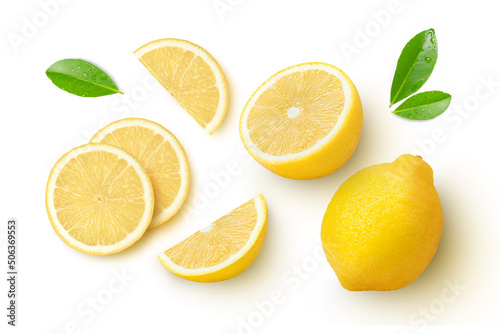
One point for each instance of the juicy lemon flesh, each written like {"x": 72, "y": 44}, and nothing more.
{"x": 99, "y": 198}
{"x": 216, "y": 243}
{"x": 304, "y": 122}
{"x": 188, "y": 78}
{"x": 296, "y": 112}
{"x": 383, "y": 225}
{"x": 158, "y": 158}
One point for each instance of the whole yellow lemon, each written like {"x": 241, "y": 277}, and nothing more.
{"x": 383, "y": 225}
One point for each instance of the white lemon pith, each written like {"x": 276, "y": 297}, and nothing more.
{"x": 304, "y": 122}
{"x": 191, "y": 75}
{"x": 99, "y": 199}
{"x": 224, "y": 248}
{"x": 160, "y": 154}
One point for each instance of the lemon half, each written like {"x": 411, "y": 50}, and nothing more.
{"x": 304, "y": 122}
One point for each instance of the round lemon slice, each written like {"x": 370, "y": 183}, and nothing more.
{"x": 160, "y": 154}
{"x": 304, "y": 122}
{"x": 223, "y": 249}
{"x": 191, "y": 75}
{"x": 99, "y": 199}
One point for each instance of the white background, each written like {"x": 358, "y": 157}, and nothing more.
{"x": 251, "y": 41}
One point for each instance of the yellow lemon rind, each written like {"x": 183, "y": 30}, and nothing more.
{"x": 394, "y": 252}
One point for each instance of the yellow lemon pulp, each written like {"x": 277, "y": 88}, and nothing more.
{"x": 99, "y": 199}
{"x": 191, "y": 75}
{"x": 304, "y": 122}
{"x": 224, "y": 248}
{"x": 160, "y": 154}
{"x": 383, "y": 225}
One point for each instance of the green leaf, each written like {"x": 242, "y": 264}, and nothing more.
{"x": 81, "y": 78}
{"x": 415, "y": 65}
{"x": 424, "y": 106}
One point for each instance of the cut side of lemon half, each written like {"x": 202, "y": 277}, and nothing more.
{"x": 304, "y": 122}
{"x": 160, "y": 154}
{"x": 99, "y": 199}
{"x": 191, "y": 75}
{"x": 223, "y": 249}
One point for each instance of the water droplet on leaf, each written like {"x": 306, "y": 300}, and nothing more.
{"x": 418, "y": 85}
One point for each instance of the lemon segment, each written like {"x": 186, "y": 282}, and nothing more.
{"x": 160, "y": 154}
{"x": 304, "y": 122}
{"x": 99, "y": 199}
{"x": 223, "y": 249}
{"x": 383, "y": 225}
{"x": 191, "y": 75}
